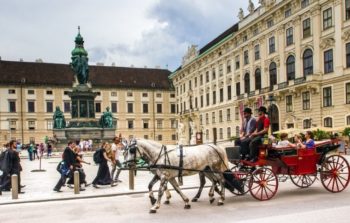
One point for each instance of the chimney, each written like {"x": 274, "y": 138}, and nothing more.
{"x": 20, "y": 59}
{"x": 157, "y": 67}
{"x": 132, "y": 65}
{"x": 145, "y": 66}
{"x": 113, "y": 64}
{"x": 39, "y": 60}
{"x": 99, "y": 64}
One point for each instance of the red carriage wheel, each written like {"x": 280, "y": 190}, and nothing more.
{"x": 244, "y": 176}
{"x": 335, "y": 173}
{"x": 303, "y": 181}
{"x": 263, "y": 184}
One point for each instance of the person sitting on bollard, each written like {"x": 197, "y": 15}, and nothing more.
{"x": 103, "y": 175}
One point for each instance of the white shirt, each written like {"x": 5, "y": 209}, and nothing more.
{"x": 116, "y": 149}
{"x": 283, "y": 143}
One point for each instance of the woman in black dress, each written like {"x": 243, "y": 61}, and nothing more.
{"x": 103, "y": 175}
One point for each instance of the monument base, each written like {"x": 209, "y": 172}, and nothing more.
{"x": 97, "y": 135}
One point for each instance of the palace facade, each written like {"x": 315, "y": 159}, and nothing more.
{"x": 292, "y": 56}
{"x": 141, "y": 99}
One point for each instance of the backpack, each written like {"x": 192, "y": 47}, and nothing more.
{"x": 63, "y": 169}
{"x": 98, "y": 156}
{"x": 5, "y": 162}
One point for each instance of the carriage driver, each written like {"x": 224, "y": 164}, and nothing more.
{"x": 247, "y": 128}
{"x": 262, "y": 128}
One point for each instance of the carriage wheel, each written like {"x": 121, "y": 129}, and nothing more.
{"x": 303, "y": 181}
{"x": 335, "y": 173}
{"x": 263, "y": 184}
{"x": 244, "y": 176}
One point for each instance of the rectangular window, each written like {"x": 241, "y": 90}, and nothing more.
{"x": 220, "y": 116}
{"x": 237, "y": 62}
{"x": 327, "y": 96}
{"x": 145, "y": 136}
{"x": 49, "y": 106}
{"x": 221, "y": 70}
{"x": 347, "y": 92}
{"x": 114, "y": 107}
{"x": 229, "y": 132}
{"x": 238, "y": 88}
{"x": 306, "y": 100}
{"x": 213, "y": 117}
{"x": 130, "y": 108}
{"x": 172, "y": 95}
{"x": 289, "y": 103}
{"x": 159, "y": 124}
{"x": 12, "y": 91}
{"x": 207, "y": 118}
{"x": 348, "y": 55}
{"x": 202, "y": 101}
{"x": 257, "y": 52}
{"x": 236, "y": 113}
{"x": 306, "y": 28}
{"x": 114, "y": 94}
{"x": 207, "y": 77}
{"x": 173, "y": 137}
{"x": 201, "y": 119}
{"x": 49, "y": 92}
{"x": 98, "y": 107}
{"x": 208, "y": 99}
{"x": 49, "y": 125}
{"x": 130, "y": 124}
{"x": 31, "y": 92}
{"x": 246, "y": 57}
{"x": 228, "y": 114}
{"x": 327, "y": 18}
{"x": 66, "y": 105}
{"x": 228, "y": 67}
{"x": 12, "y": 106}
{"x": 214, "y": 97}
{"x": 145, "y": 124}
{"x": 287, "y": 13}
{"x": 289, "y": 36}
{"x": 129, "y": 94}
{"x": 31, "y": 106}
{"x": 159, "y": 137}
{"x": 173, "y": 124}
{"x": 13, "y": 125}
{"x": 213, "y": 74}
{"x": 195, "y": 82}
{"x": 201, "y": 79}
{"x": 145, "y": 108}
{"x": 221, "y": 133}
{"x": 229, "y": 92}
{"x": 196, "y": 102}
{"x": 158, "y": 95}
{"x": 144, "y": 95}
{"x": 172, "y": 108}
{"x": 31, "y": 125}
{"x": 272, "y": 47}
{"x": 347, "y": 9}
{"x": 65, "y": 92}
{"x": 304, "y": 3}
{"x": 328, "y": 61}
{"x": 307, "y": 124}
{"x": 269, "y": 23}
{"x": 159, "y": 108}
{"x": 221, "y": 95}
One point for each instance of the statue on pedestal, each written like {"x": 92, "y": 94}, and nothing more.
{"x": 193, "y": 131}
{"x": 58, "y": 119}
{"x": 106, "y": 120}
{"x": 181, "y": 133}
{"x": 80, "y": 60}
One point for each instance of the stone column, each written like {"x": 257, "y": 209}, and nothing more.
{"x": 297, "y": 42}
{"x": 317, "y": 53}
{"x": 280, "y": 39}
{"x": 338, "y": 52}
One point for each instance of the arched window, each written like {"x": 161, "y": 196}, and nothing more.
{"x": 348, "y": 120}
{"x": 308, "y": 64}
{"x": 273, "y": 74}
{"x": 290, "y": 68}
{"x": 247, "y": 83}
{"x": 257, "y": 79}
{"x": 328, "y": 122}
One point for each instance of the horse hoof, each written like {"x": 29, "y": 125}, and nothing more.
{"x": 194, "y": 199}
{"x": 152, "y": 211}
{"x": 187, "y": 206}
{"x": 211, "y": 201}
{"x": 166, "y": 202}
{"x": 220, "y": 203}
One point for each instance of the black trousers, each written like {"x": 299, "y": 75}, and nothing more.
{"x": 254, "y": 146}
{"x": 244, "y": 146}
{"x": 5, "y": 181}
{"x": 61, "y": 181}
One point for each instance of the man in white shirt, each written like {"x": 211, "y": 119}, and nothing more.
{"x": 116, "y": 149}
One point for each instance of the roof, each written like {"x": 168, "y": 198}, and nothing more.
{"x": 34, "y": 73}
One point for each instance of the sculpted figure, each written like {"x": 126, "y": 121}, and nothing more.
{"x": 81, "y": 69}
{"x": 58, "y": 118}
{"x": 106, "y": 120}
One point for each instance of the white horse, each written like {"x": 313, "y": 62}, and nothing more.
{"x": 210, "y": 159}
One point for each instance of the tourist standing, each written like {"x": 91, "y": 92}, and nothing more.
{"x": 116, "y": 149}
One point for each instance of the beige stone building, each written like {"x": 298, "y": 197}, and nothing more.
{"x": 293, "y": 56}
{"x": 142, "y": 100}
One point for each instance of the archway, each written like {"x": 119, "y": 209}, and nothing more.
{"x": 274, "y": 118}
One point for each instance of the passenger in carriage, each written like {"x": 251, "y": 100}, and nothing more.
{"x": 262, "y": 128}
{"x": 309, "y": 142}
{"x": 284, "y": 142}
{"x": 247, "y": 128}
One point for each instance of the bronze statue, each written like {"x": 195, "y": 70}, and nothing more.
{"x": 80, "y": 60}
{"x": 58, "y": 119}
{"x": 106, "y": 120}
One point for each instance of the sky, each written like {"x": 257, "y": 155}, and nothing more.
{"x": 128, "y": 33}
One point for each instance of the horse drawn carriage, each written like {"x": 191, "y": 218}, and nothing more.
{"x": 302, "y": 166}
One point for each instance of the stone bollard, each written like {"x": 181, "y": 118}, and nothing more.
{"x": 14, "y": 185}
{"x": 131, "y": 178}
{"x": 76, "y": 182}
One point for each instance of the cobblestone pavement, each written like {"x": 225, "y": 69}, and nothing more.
{"x": 39, "y": 185}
